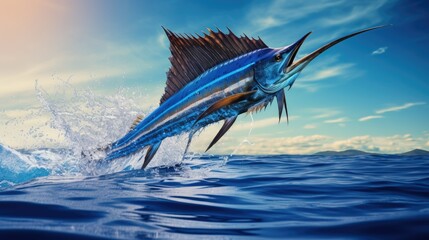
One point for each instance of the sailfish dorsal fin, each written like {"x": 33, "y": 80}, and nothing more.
{"x": 193, "y": 55}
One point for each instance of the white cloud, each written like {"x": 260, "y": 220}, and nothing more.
{"x": 367, "y": 118}
{"x": 325, "y": 112}
{"x": 315, "y": 143}
{"x": 379, "y": 51}
{"x": 337, "y": 120}
{"x": 25, "y": 82}
{"x": 162, "y": 41}
{"x": 102, "y": 60}
{"x": 309, "y": 87}
{"x": 387, "y": 144}
{"x": 310, "y": 126}
{"x": 367, "y": 11}
{"x": 281, "y": 145}
{"x": 284, "y": 12}
{"x": 261, "y": 123}
{"x": 322, "y": 15}
{"x": 390, "y": 109}
{"x": 399, "y": 108}
{"x": 267, "y": 22}
{"x": 329, "y": 72}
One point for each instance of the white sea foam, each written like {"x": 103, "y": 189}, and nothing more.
{"x": 85, "y": 121}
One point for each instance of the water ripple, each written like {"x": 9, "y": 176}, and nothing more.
{"x": 248, "y": 197}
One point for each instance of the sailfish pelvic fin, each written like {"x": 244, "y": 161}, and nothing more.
{"x": 226, "y": 126}
{"x": 150, "y": 154}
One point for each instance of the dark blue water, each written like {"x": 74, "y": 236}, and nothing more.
{"x": 246, "y": 197}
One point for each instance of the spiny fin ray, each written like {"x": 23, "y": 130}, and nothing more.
{"x": 191, "y": 56}
{"x": 150, "y": 153}
{"x": 136, "y": 122}
{"x": 225, "y": 127}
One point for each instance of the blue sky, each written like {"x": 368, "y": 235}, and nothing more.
{"x": 369, "y": 92}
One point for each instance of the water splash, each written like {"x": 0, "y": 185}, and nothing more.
{"x": 84, "y": 121}
{"x": 87, "y": 120}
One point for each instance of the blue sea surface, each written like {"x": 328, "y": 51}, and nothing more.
{"x": 211, "y": 197}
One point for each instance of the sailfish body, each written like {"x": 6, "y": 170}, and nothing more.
{"x": 215, "y": 77}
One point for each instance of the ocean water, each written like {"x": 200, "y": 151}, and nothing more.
{"x": 217, "y": 197}
{"x": 54, "y": 193}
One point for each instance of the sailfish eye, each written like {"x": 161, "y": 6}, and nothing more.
{"x": 278, "y": 58}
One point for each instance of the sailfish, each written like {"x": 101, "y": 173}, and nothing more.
{"x": 213, "y": 77}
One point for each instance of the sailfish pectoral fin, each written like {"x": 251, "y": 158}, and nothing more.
{"x": 281, "y": 103}
{"x": 226, "y": 126}
{"x": 223, "y": 103}
{"x": 152, "y": 149}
